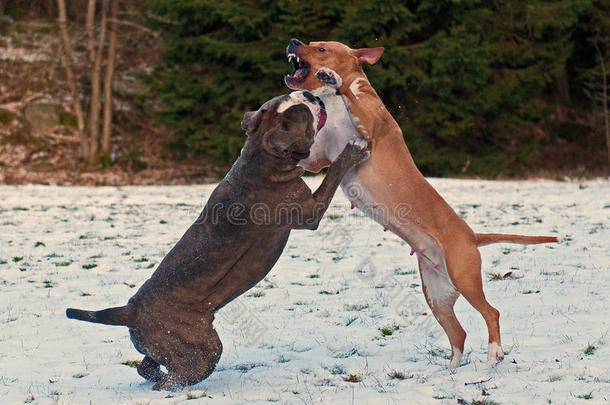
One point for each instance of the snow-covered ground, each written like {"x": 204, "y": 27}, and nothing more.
{"x": 342, "y": 303}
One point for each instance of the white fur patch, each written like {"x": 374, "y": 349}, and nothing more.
{"x": 336, "y": 133}
{"x": 288, "y": 103}
{"x": 355, "y": 87}
{"x": 495, "y": 354}
{"x": 439, "y": 287}
{"x": 456, "y": 358}
{"x": 297, "y": 97}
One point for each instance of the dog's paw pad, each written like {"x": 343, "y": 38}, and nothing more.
{"x": 329, "y": 77}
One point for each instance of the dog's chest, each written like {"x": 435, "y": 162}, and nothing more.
{"x": 339, "y": 129}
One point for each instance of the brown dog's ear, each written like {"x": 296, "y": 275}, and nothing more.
{"x": 368, "y": 55}
{"x": 251, "y": 121}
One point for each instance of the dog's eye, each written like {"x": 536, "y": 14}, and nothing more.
{"x": 321, "y": 49}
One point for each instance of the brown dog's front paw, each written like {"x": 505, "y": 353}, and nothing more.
{"x": 329, "y": 77}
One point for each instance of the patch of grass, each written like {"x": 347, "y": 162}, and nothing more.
{"x": 349, "y": 353}
{"x": 335, "y": 370}
{"x": 79, "y": 375}
{"x": 83, "y": 237}
{"x": 48, "y": 284}
{"x": 495, "y": 276}
{"x": 2, "y": 261}
{"x": 151, "y": 265}
{"x": 554, "y": 378}
{"x": 326, "y": 292}
{"x": 163, "y": 222}
{"x": 39, "y": 243}
{"x": 132, "y": 363}
{"x": 17, "y": 259}
{"x": 68, "y": 120}
{"x": 130, "y": 285}
{"x": 387, "y": 331}
{"x": 85, "y": 294}
{"x": 257, "y": 294}
{"x": 6, "y": 117}
{"x": 244, "y": 368}
{"x": 485, "y": 401}
{"x": 399, "y": 375}
{"x": 63, "y": 264}
{"x": 314, "y": 276}
{"x": 586, "y": 396}
{"x": 89, "y": 266}
{"x": 531, "y": 292}
{"x": 141, "y": 260}
{"x": 356, "y": 307}
{"x": 334, "y": 217}
{"x": 350, "y": 321}
{"x": 589, "y": 350}
{"x": 403, "y": 273}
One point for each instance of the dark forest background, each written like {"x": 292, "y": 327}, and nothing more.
{"x": 480, "y": 88}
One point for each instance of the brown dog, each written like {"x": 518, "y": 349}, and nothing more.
{"x": 389, "y": 188}
{"x": 234, "y": 243}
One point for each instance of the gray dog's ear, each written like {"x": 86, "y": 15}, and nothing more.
{"x": 251, "y": 121}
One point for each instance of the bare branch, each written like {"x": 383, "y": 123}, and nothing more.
{"x": 135, "y": 25}
{"x": 69, "y": 67}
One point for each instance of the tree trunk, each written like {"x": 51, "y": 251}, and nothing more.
{"x": 107, "y": 125}
{"x": 605, "y": 101}
{"x": 90, "y": 31}
{"x": 95, "y": 105}
{"x": 69, "y": 67}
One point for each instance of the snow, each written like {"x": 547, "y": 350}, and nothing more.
{"x": 345, "y": 300}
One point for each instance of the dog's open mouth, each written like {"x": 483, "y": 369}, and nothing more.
{"x": 300, "y": 70}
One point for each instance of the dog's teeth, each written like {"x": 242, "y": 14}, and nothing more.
{"x": 298, "y": 60}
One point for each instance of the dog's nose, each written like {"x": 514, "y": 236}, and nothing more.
{"x": 295, "y": 42}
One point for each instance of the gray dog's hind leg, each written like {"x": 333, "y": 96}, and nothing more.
{"x": 150, "y": 369}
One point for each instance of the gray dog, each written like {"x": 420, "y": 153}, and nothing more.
{"x": 234, "y": 243}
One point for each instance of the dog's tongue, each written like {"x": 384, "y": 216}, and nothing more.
{"x": 322, "y": 119}
{"x": 299, "y": 74}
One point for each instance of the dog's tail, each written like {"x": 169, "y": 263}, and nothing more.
{"x": 488, "y": 238}
{"x": 110, "y": 316}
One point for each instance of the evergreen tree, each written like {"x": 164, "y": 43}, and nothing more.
{"x": 463, "y": 78}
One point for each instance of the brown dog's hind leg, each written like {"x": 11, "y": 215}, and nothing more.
{"x": 465, "y": 271}
{"x": 150, "y": 369}
{"x": 191, "y": 363}
{"x": 441, "y": 296}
